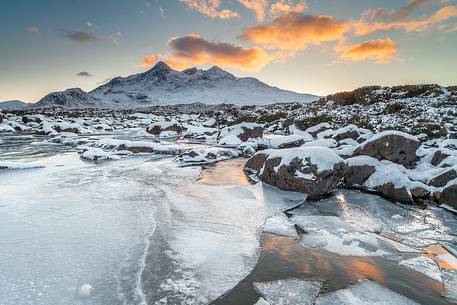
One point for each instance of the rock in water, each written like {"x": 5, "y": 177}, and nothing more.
{"x": 315, "y": 171}
{"x": 395, "y": 146}
{"x": 449, "y": 196}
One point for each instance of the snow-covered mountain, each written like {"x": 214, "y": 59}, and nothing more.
{"x": 13, "y": 105}
{"x": 162, "y": 85}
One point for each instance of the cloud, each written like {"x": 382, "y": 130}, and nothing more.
{"x": 363, "y": 27}
{"x": 84, "y": 74}
{"x": 162, "y": 12}
{"x": 258, "y": 6}
{"x": 397, "y": 15}
{"x": 282, "y": 6}
{"x": 89, "y": 24}
{"x": 210, "y": 8}
{"x": 191, "y": 50}
{"x": 33, "y": 29}
{"x": 150, "y": 60}
{"x": 295, "y": 31}
{"x": 80, "y": 36}
{"x": 380, "y": 50}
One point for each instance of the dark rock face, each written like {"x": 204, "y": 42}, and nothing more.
{"x": 391, "y": 193}
{"x": 438, "y": 157}
{"x": 315, "y": 171}
{"x": 255, "y": 132}
{"x": 2, "y": 117}
{"x": 442, "y": 179}
{"x": 393, "y": 147}
{"x": 357, "y": 175}
{"x": 310, "y": 181}
{"x": 156, "y": 129}
{"x": 255, "y": 163}
{"x": 449, "y": 196}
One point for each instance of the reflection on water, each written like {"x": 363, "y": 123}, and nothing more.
{"x": 229, "y": 172}
{"x": 284, "y": 257}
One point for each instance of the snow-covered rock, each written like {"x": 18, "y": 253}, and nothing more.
{"x": 205, "y": 156}
{"x": 96, "y": 154}
{"x": 395, "y": 146}
{"x": 312, "y": 170}
{"x": 236, "y": 134}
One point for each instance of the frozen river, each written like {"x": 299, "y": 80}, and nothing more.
{"x": 138, "y": 230}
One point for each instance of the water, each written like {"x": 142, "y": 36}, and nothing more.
{"x": 138, "y": 230}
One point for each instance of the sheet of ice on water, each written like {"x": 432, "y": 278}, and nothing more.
{"x": 289, "y": 292}
{"x": 364, "y": 293}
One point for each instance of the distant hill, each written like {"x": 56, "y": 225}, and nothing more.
{"x": 161, "y": 85}
{"x": 13, "y": 105}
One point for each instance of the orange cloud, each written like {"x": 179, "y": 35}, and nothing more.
{"x": 380, "y": 50}
{"x": 191, "y": 50}
{"x": 258, "y": 6}
{"x": 397, "y": 15}
{"x": 295, "y": 31}
{"x": 282, "y": 6}
{"x": 210, "y": 8}
{"x": 150, "y": 60}
{"x": 363, "y": 27}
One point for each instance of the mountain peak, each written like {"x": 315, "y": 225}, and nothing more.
{"x": 217, "y": 72}
{"x": 159, "y": 68}
{"x": 160, "y": 65}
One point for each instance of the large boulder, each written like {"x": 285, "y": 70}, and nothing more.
{"x": 449, "y": 196}
{"x": 157, "y": 128}
{"x": 395, "y": 146}
{"x": 312, "y": 170}
{"x": 255, "y": 163}
{"x": 393, "y": 184}
{"x": 359, "y": 169}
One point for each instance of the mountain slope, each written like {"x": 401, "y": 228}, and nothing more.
{"x": 13, "y": 105}
{"x": 162, "y": 85}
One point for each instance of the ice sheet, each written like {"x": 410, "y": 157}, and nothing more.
{"x": 289, "y": 292}
{"x": 364, "y": 293}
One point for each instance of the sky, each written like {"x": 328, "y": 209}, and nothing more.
{"x": 311, "y": 46}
